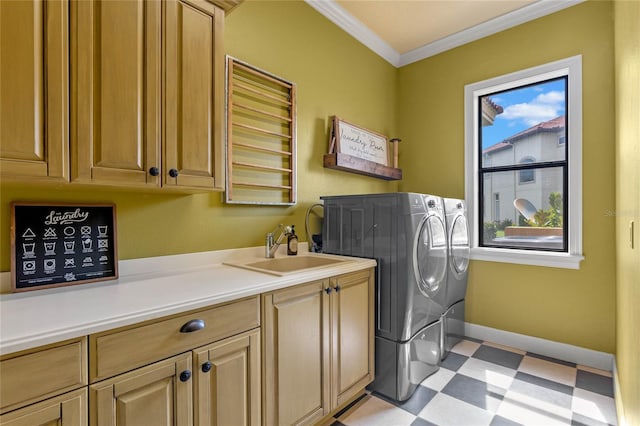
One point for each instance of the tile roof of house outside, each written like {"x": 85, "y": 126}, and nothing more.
{"x": 552, "y": 125}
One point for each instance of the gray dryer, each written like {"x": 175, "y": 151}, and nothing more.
{"x": 458, "y": 245}
{"x": 406, "y": 234}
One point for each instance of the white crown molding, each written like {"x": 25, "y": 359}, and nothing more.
{"x": 339, "y": 16}
{"x": 493, "y": 26}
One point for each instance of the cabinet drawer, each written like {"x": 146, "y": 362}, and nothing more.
{"x": 124, "y": 349}
{"x": 34, "y": 375}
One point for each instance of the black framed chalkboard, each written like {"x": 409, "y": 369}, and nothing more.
{"x": 55, "y": 245}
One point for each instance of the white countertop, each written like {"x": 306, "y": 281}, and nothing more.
{"x": 146, "y": 289}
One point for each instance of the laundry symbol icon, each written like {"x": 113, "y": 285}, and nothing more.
{"x": 29, "y": 249}
{"x": 102, "y": 230}
{"x": 87, "y": 244}
{"x": 28, "y": 234}
{"x": 103, "y": 244}
{"x": 29, "y": 265}
{"x": 69, "y": 231}
{"x": 70, "y": 276}
{"x": 69, "y": 247}
{"x": 69, "y": 263}
{"x": 50, "y": 233}
{"x": 49, "y": 265}
{"x": 50, "y": 249}
{"x": 85, "y": 230}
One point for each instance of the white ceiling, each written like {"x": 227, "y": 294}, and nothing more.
{"x": 406, "y": 31}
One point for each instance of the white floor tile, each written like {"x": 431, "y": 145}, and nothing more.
{"x": 438, "y": 380}
{"x": 444, "y": 410}
{"x": 539, "y": 400}
{"x": 549, "y": 370}
{"x": 493, "y": 374}
{"x": 376, "y": 412}
{"x": 520, "y": 412}
{"x": 465, "y": 347}
{"x": 594, "y": 405}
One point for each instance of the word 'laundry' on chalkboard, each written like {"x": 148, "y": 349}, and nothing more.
{"x": 62, "y": 244}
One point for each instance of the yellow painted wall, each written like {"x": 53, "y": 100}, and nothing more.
{"x": 627, "y": 89}
{"x": 335, "y": 74}
{"x": 575, "y": 307}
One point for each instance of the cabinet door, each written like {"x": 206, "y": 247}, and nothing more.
{"x": 227, "y": 382}
{"x": 159, "y": 394}
{"x": 66, "y": 410}
{"x": 115, "y": 121}
{"x": 193, "y": 94}
{"x": 34, "y": 102}
{"x": 352, "y": 317}
{"x": 296, "y": 337}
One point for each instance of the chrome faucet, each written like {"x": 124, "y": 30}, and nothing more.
{"x": 270, "y": 246}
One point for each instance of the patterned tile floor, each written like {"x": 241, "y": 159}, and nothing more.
{"x": 481, "y": 383}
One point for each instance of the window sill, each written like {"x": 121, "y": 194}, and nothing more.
{"x": 527, "y": 257}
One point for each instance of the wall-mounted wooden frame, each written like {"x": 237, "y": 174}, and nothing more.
{"x": 354, "y": 149}
{"x": 58, "y": 244}
{"x": 261, "y": 136}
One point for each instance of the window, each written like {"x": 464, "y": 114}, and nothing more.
{"x": 523, "y": 146}
{"x": 527, "y": 175}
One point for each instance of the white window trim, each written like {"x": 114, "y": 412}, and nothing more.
{"x": 571, "y": 67}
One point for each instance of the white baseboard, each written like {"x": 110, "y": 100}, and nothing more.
{"x": 563, "y": 351}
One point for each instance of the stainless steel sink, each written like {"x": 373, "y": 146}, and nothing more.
{"x": 286, "y": 265}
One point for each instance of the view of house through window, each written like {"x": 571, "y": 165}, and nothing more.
{"x": 523, "y": 168}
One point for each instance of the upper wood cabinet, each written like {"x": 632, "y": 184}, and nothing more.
{"x": 147, "y": 93}
{"x": 115, "y": 91}
{"x": 227, "y": 5}
{"x": 193, "y": 105}
{"x": 34, "y": 90}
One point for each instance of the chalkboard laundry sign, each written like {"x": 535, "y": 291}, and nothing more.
{"x": 62, "y": 244}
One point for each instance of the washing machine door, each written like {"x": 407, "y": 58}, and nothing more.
{"x": 459, "y": 245}
{"x": 430, "y": 255}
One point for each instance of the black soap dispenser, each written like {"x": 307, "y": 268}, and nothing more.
{"x": 292, "y": 242}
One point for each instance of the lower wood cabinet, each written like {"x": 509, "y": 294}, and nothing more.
{"x": 218, "y": 384}
{"x": 353, "y": 334}
{"x": 292, "y": 356}
{"x": 196, "y": 368}
{"x": 227, "y": 382}
{"x": 159, "y": 394}
{"x": 69, "y": 409}
{"x": 318, "y": 347}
